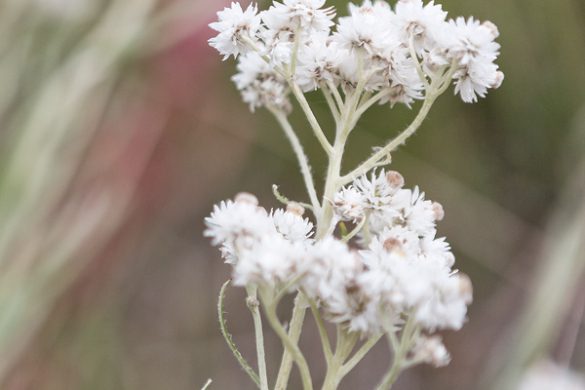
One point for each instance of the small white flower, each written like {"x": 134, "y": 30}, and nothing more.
{"x": 231, "y": 219}
{"x": 475, "y": 50}
{"x": 446, "y": 306}
{"x": 259, "y": 84}
{"x": 237, "y": 226}
{"x": 272, "y": 261}
{"x": 431, "y": 350}
{"x": 318, "y": 62}
{"x": 331, "y": 280}
{"x": 419, "y": 22}
{"x": 307, "y": 17}
{"x": 234, "y": 27}
{"x": 293, "y": 227}
{"x": 350, "y": 204}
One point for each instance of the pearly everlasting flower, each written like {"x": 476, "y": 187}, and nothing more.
{"x": 475, "y": 50}
{"x": 318, "y": 63}
{"x": 350, "y": 204}
{"x": 237, "y": 225}
{"x": 379, "y": 187}
{"x": 365, "y": 29}
{"x": 389, "y": 271}
{"x": 306, "y": 16}
{"x": 259, "y": 84}
{"x": 419, "y": 22}
{"x": 292, "y": 226}
{"x": 446, "y": 305}
{"x": 272, "y": 260}
{"x": 431, "y": 350}
{"x": 331, "y": 280}
{"x": 369, "y": 47}
{"x": 235, "y": 26}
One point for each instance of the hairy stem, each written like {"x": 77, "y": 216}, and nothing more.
{"x": 289, "y": 343}
{"x": 228, "y": 337}
{"x": 326, "y": 344}
{"x": 392, "y": 145}
{"x": 345, "y": 343}
{"x": 359, "y": 355}
{"x": 295, "y": 328}
{"x": 399, "y": 362}
{"x": 296, "y": 90}
{"x": 253, "y": 305}
{"x": 301, "y": 157}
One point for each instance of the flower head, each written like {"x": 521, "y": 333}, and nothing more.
{"x": 235, "y": 26}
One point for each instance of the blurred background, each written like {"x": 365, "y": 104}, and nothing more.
{"x": 119, "y": 129}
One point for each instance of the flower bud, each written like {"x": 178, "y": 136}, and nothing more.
{"x": 392, "y": 244}
{"x": 295, "y": 208}
{"x": 492, "y": 27}
{"x": 395, "y": 179}
{"x": 438, "y": 211}
{"x": 465, "y": 288}
{"x": 246, "y": 197}
{"x": 499, "y": 80}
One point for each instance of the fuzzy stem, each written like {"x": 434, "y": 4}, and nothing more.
{"x": 331, "y": 103}
{"x": 296, "y": 325}
{"x": 322, "y": 331}
{"x": 355, "y": 230}
{"x": 359, "y": 355}
{"x": 392, "y": 145}
{"x": 301, "y": 157}
{"x": 400, "y": 353}
{"x": 311, "y": 117}
{"x": 336, "y": 94}
{"x": 253, "y": 305}
{"x": 289, "y": 343}
{"x": 228, "y": 337}
{"x": 414, "y": 56}
{"x": 345, "y": 343}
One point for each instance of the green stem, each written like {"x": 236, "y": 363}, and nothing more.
{"x": 228, "y": 337}
{"x": 310, "y": 117}
{"x": 400, "y": 353}
{"x": 295, "y": 328}
{"x": 331, "y": 103}
{"x": 345, "y": 343}
{"x": 253, "y": 305}
{"x": 359, "y": 355}
{"x": 355, "y": 230}
{"x": 392, "y": 145}
{"x": 322, "y": 331}
{"x": 301, "y": 157}
{"x": 289, "y": 343}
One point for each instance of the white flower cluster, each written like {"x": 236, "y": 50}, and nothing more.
{"x": 397, "y": 269}
{"x": 393, "y": 50}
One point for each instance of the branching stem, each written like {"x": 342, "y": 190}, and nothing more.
{"x": 289, "y": 343}
{"x": 301, "y": 157}
{"x": 253, "y": 305}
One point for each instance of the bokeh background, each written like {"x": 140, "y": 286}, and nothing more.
{"x": 119, "y": 129}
